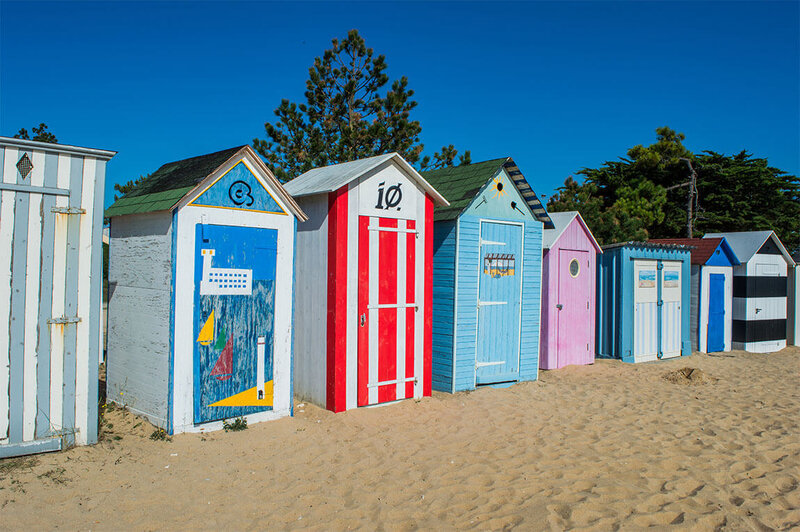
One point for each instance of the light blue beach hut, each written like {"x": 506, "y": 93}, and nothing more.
{"x": 487, "y": 272}
{"x": 643, "y": 301}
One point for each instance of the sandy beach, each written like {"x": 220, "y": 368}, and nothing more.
{"x": 602, "y": 447}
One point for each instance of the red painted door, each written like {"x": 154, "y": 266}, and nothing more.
{"x": 386, "y": 309}
{"x": 574, "y": 285}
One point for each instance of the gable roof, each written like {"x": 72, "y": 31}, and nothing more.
{"x": 561, "y": 221}
{"x": 747, "y": 243}
{"x": 461, "y": 184}
{"x": 164, "y": 188}
{"x": 329, "y": 178}
{"x": 703, "y": 248}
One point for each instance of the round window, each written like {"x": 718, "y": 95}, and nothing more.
{"x": 574, "y": 267}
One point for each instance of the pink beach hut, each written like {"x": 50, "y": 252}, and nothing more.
{"x": 569, "y": 279}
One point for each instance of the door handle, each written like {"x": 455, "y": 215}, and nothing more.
{"x": 363, "y": 320}
{"x": 559, "y": 306}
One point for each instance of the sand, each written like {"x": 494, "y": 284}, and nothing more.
{"x": 602, "y": 447}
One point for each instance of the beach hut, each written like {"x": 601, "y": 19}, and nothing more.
{"x": 643, "y": 301}
{"x": 51, "y": 220}
{"x": 200, "y": 279}
{"x": 760, "y": 290}
{"x": 569, "y": 278}
{"x": 711, "y": 292}
{"x": 364, "y": 258}
{"x": 487, "y": 266}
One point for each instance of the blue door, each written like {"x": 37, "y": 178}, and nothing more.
{"x": 716, "y": 313}
{"x": 499, "y": 303}
{"x": 234, "y": 316}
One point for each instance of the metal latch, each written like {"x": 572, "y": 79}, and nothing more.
{"x": 559, "y": 306}
{"x": 63, "y": 320}
{"x": 68, "y": 210}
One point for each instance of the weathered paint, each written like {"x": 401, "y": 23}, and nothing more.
{"x": 154, "y": 367}
{"x": 620, "y": 334}
{"x": 568, "y": 331}
{"x": 45, "y": 402}
{"x": 333, "y": 245}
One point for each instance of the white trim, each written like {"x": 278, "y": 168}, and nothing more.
{"x": 372, "y": 317}
{"x": 400, "y": 342}
{"x": 392, "y": 229}
{"x": 351, "y": 325}
{"x": 489, "y": 242}
{"x": 32, "y": 284}
{"x": 49, "y": 147}
{"x": 482, "y": 364}
{"x": 455, "y": 309}
{"x": 392, "y": 305}
{"x": 398, "y": 382}
{"x": 491, "y": 303}
{"x": 6, "y": 244}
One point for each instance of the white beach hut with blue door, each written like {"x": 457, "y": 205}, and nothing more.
{"x": 51, "y": 222}
{"x": 760, "y": 290}
{"x": 711, "y": 311}
{"x": 201, "y": 279}
{"x": 487, "y": 276}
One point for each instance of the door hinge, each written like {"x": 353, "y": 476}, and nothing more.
{"x": 63, "y": 320}
{"x": 68, "y": 210}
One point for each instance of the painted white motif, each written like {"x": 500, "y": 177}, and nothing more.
{"x": 388, "y": 194}
{"x": 224, "y": 281}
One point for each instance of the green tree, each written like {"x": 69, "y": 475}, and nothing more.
{"x": 351, "y": 111}
{"x": 127, "y": 187}
{"x": 39, "y": 133}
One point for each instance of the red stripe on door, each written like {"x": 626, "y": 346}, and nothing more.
{"x": 427, "y": 361}
{"x": 364, "y": 317}
{"x": 387, "y": 317}
{"x": 336, "y": 388}
{"x": 411, "y": 269}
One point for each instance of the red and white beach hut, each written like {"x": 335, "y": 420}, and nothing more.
{"x": 364, "y": 283}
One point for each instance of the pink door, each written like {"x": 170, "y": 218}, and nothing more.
{"x": 574, "y": 285}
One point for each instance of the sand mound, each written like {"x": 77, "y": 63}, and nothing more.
{"x": 688, "y": 376}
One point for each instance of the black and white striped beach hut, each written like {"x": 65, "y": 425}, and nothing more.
{"x": 760, "y": 290}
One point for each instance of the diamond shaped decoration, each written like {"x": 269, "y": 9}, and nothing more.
{"x": 24, "y": 165}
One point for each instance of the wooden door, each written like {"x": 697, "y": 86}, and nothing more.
{"x": 574, "y": 286}
{"x": 499, "y": 303}
{"x": 645, "y": 312}
{"x": 234, "y": 317}
{"x": 671, "y": 303}
{"x": 387, "y": 308}
{"x": 716, "y": 313}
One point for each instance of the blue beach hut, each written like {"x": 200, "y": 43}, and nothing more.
{"x": 487, "y": 271}
{"x": 643, "y": 301}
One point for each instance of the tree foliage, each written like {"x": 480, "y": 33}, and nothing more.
{"x": 638, "y": 197}
{"x": 40, "y": 134}
{"x": 351, "y": 111}
{"x": 127, "y": 187}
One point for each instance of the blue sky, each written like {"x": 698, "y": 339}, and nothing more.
{"x": 556, "y": 85}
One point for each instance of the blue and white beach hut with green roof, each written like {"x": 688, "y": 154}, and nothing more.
{"x": 201, "y": 279}
{"x": 487, "y": 276}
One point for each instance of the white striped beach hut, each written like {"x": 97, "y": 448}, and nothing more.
{"x": 51, "y": 220}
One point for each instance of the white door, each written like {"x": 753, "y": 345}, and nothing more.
{"x": 671, "y": 309}
{"x": 645, "y": 313}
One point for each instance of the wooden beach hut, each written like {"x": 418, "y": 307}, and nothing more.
{"x": 200, "y": 309}
{"x": 487, "y": 269}
{"x": 569, "y": 280}
{"x": 643, "y": 301}
{"x": 51, "y": 222}
{"x": 760, "y": 290}
{"x": 364, "y": 258}
{"x": 711, "y": 311}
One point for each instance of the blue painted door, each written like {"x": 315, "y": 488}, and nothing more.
{"x": 716, "y": 313}
{"x": 499, "y": 303}
{"x": 234, "y": 316}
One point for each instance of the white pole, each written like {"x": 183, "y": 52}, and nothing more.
{"x": 260, "y": 368}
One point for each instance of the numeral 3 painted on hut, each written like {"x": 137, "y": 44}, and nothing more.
{"x": 221, "y": 230}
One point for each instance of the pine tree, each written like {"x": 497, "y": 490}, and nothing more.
{"x": 39, "y": 133}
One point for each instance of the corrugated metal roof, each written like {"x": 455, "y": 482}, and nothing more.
{"x": 560, "y": 221}
{"x": 747, "y": 243}
{"x": 329, "y": 178}
{"x": 51, "y": 147}
{"x": 461, "y": 184}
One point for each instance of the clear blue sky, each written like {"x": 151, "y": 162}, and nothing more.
{"x": 556, "y": 85}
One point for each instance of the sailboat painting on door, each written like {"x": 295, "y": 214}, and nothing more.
{"x": 234, "y": 320}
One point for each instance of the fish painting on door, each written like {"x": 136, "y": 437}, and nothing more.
{"x": 234, "y": 302}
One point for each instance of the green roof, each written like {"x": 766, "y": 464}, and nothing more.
{"x": 167, "y": 185}
{"x": 460, "y": 185}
